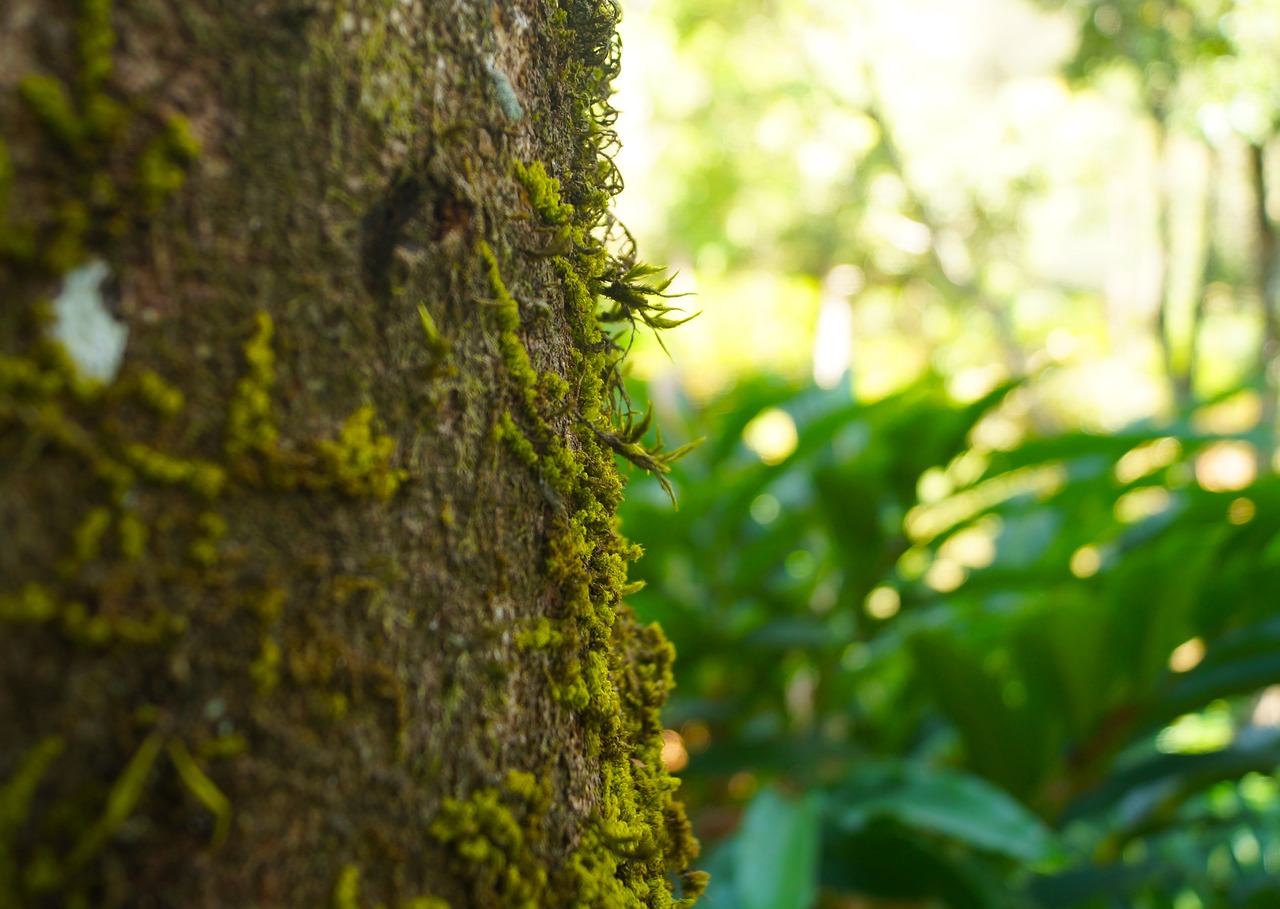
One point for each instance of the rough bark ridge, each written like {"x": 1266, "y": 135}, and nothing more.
{"x": 318, "y": 600}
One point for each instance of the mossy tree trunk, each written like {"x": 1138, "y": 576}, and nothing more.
{"x": 309, "y": 587}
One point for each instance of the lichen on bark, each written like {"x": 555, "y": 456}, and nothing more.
{"x": 319, "y": 601}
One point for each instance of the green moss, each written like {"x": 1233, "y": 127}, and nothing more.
{"x": 359, "y": 460}
{"x": 210, "y": 529}
{"x": 552, "y": 390}
{"x": 182, "y": 143}
{"x": 205, "y": 791}
{"x": 265, "y": 669}
{"x": 158, "y": 395}
{"x": 436, "y": 343}
{"x": 346, "y": 892}
{"x": 162, "y": 166}
{"x": 66, "y": 248}
{"x": 539, "y": 635}
{"x": 15, "y": 242}
{"x": 610, "y": 670}
{"x": 251, "y": 424}
{"x": 24, "y": 378}
{"x": 32, "y": 604}
{"x": 88, "y": 536}
{"x": 202, "y": 477}
{"x": 35, "y": 604}
{"x": 101, "y": 631}
{"x": 519, "y": 366}
{"x": 94, "y": 132}
{"x": 49, "y": 101}
{"x": 124, "y": 796}
{"x": 224, "y": 747}
{"x": 96, "y": 42}
{"x": 16, "y": 795}
{"x": 507, "y": 432}
{"x": 133, "y": 536}
{"x": 493, "y": 832}
{"x": 543, "y": 191}
{"x": 6, "y": 182}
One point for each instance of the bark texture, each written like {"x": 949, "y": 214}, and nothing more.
{"x": 315, "y": 599}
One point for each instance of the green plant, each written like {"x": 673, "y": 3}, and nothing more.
{"x": 966, "y": 674}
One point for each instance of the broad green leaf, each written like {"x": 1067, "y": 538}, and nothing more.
{"x": 777, "y": 852}
{"x": 947, "y": 804}
{"x": 1006, "y": 742}
{"x": 889, "y": 861}
{"x": 1170, "y": 779}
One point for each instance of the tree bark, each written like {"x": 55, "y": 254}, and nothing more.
{"x": 313, "y": 596}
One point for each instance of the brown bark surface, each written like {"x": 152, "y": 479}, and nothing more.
{"x": 317, "y": 600}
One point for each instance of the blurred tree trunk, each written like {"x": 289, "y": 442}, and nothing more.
{"x": 1268, "y": 282}
{"x": 310, "y": 594}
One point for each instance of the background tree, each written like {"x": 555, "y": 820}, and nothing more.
{"x": 309, "y": 584}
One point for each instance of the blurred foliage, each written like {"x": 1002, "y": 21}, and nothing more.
{"x": 987, "y": 186}
{"x": 918, "y": 668}
{"x": 939, "y": 645}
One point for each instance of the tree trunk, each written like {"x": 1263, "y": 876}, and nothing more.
{"x": 309, "y": 583}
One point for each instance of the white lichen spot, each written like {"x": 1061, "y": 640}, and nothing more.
{"x": 507, "y": 99}
{"x": 84, "y": 326}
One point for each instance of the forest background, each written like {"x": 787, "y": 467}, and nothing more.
{"x": 974, "y": 581}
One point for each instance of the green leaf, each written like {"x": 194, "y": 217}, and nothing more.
{"x": 1007, "y": 742}
{"x": 952, "y": 805}
{"x": 777, "y": 854}
{"x": 1152, "y": 790}
{"x": 909, "y": 868}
